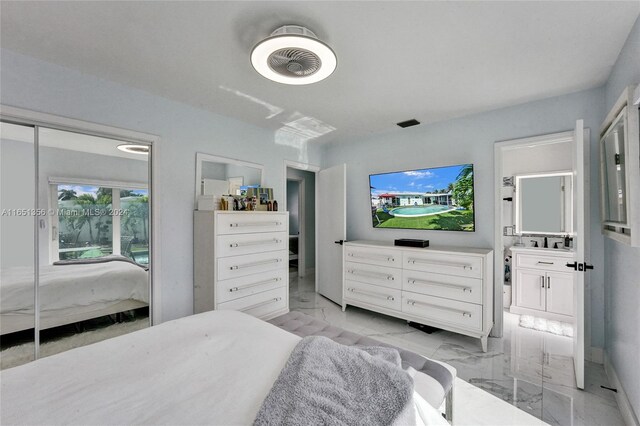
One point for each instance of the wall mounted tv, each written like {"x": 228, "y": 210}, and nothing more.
{"x": 439, "y": 198}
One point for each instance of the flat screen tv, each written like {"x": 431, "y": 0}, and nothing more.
{"x": 439, "y": 198}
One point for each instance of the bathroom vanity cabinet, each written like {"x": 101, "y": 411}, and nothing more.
{"x": 543, "y": 285}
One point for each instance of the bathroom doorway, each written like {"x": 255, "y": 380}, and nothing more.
{"x": 301, "y": 205}
{"x": 540, "y": 234}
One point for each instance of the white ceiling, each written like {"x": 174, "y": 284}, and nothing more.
{"x": 396, "y": 60}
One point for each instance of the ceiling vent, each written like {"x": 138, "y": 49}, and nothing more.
{"x": 408, "y": 123}
{"x": 293, "y": 55}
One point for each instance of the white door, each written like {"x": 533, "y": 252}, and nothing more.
{"x": 530, "y": 289}
{"x": 581, "y": 242}
{"x": 560, "y": 293}
{"x": 331, "y": 222}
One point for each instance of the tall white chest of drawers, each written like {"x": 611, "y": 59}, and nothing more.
{"x": 444, "y": 287}
{"x": 241, "y": 262}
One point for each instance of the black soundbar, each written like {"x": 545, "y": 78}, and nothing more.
{"x": 408, "y": 242}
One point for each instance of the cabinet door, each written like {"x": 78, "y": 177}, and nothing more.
{"x": 560, "y": 293}
{"x": 530, "y": 287}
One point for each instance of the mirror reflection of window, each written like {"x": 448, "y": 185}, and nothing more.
{"x": 85, "y": 225}
{"x": 134, "y": 225}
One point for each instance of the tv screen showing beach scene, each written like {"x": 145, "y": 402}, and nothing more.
{"x": 439, "y": 198}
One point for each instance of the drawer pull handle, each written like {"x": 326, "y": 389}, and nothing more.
{"x": 255, "y": 243}
{"x": 242, "y": 287}
{"x": 540, "y": 262}
{"x": 387, "y": 258}
{"x": 372, "y": 293}
{"x": 430, "y": 305}
{"x": 243, "y": 224}
{"x": 426, "y": 262}
{"x": 251, "y": 265}
{"x": 460, "y": 287}
{"x": 371, "y": 274}
{"x": 257, "y": 305}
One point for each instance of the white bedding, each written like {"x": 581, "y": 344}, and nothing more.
{"x": 211, "y": 368}
{"x": 70, "y": 286}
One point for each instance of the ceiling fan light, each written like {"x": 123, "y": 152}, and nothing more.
{"x": 293, "y": 55}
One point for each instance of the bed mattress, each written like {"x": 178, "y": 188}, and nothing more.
{"x": 212, "y": 368}
{"x": 69, "y": 286}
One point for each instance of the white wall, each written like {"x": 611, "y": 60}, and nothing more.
{"x": 33, "y": 84}
{"x": 621, "y": 262}
{"x": 470, "y": 140}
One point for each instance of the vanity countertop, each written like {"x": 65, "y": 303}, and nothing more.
{"x": 542, "y": 250}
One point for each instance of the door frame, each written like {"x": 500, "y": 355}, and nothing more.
{"x": 290, "y": 164}
{"x": 40, "y": 119}
{"x": 498, "y": 149}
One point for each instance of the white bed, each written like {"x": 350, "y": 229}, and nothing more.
{"x": 212, "y": 368}
{"x": 70, "y": 293}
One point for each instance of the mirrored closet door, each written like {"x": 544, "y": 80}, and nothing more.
{"x": 17, "y": 246}
{"x": 93, "y": 231}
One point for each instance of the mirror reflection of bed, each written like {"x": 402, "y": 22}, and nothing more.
{"x": 93, "y": 236}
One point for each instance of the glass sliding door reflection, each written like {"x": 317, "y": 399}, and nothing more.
{"x": 17, "y": 246}
{"x": 94, "y": 248}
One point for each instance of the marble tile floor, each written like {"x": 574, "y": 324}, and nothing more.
{"x": 529, "y": 369}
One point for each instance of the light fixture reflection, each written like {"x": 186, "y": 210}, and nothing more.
{"x": 134, "y": 148}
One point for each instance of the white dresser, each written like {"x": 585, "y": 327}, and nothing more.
{"x": 241, "y": 262}
{"x": 445, "y": 287}
{"x": 543, "y": 285}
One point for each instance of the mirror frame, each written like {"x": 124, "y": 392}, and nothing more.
{"x": 518, "y": 195}
{"x": 626, "y": 108}
{"x": 201, "y": 157}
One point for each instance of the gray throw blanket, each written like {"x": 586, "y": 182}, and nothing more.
{"x": 326, "y": 383}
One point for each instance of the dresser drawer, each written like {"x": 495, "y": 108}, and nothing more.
{"x": 373, "y": 274}
{"x": 238, "y": 244}
{"x": 373, "y": 256}
{"x": 440, "y": 263}
{"x": 446, "y": 311}
{"x": 547, "y": 263}
{"x": 239, "y": 266}
{"x": 246, "y": 223}
{"x": 236, "y": 288}
{"x": 380, "y": 296}
{"x": 464, "y": 289}
{"x": 259, "y": 304}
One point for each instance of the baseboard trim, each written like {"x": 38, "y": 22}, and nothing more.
{"x": 624, "y": 405}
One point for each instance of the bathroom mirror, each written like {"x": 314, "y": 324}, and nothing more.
{"x": 544, "y": 203}
{"x": 221, "y": 176}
